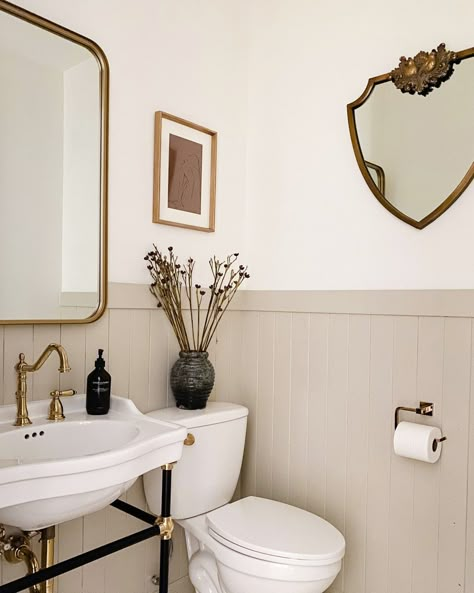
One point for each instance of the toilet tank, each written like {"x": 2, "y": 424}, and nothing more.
{"x": 206, "y": 476}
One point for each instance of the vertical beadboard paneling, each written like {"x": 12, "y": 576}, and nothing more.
{"x": 405, "y": 351}
{"x": 233, "y": 390}
{"x": 137, "y": 574}
{"x": 357, "y": 453}
{"x": 266, "y": 346}
{"x": 336, "y": 467}
{"x": 228, "y": 364}
{"x": 224, "y": 362}
{"x": 120, "y": 331}
{"x": 73, "y": 338}
{"x": 470, "y": 488}
{"x": 317, "y": 413}
{"x": 249, "y": 357}
{"x": 321, "y": 391}
{"x": 140, "y": 358}
{"x": 299, "y": 409}
{"x": 70, "y": 538}
{"x": 158, "y": 362}
{"x": 93, "y": 575}
{"x": 172, "y": 357}
{"x": 380, "y": 451}
{"x": 454, "y": 458}
{"x": 280, "y": 460}
{"x": 97, "y": 336}
{"x": 427, "y": 476}
{"x": 2, "y": 341}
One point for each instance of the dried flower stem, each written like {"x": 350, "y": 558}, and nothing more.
{"x": 170, "y": 278}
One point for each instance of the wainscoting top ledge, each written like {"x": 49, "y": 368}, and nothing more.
{"x": 427, "y": 303}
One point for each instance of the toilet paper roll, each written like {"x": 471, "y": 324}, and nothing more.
{"x": 417, "y": 441}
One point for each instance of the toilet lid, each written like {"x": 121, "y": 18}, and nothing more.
{"x": 276, "y": 530}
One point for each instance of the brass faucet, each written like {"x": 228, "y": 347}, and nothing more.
{"x": 22, "y": 368}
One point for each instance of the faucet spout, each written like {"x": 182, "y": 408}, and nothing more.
{"x": 43, "y": 357}
{"x": 22, "y": 368}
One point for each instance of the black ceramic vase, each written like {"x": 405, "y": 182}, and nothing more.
{"x": 192, "y": 380}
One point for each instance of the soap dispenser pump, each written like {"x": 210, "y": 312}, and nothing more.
{"x": 98, "y": 388}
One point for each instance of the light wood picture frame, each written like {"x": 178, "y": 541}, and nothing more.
{"x": 184, "y": 186}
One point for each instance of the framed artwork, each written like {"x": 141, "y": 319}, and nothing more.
{"x": 184, "y": 188}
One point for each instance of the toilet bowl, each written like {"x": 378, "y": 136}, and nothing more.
{"x": 253, "y": 545}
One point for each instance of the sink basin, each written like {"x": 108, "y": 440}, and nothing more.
{"x": 52, "y": 472}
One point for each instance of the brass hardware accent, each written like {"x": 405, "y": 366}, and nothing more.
{"x": 425, "y": 409}
{"x": 166, "y": 525}
{"x": 56, "y": 411}
{"x": 16, "y": 549}
{"x": 103, "y": 82}
{"x": 373, "y": 186}
{"x": 436, "y": 442}
{"x": 425, "y": 71}
{"x": 22, "y": 368}
{"x": 189, "y": 440}
{"x": 47, "y": 556}
{"x": 168, "y": 466}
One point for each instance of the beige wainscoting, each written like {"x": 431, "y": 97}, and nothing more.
{"x": 321, "y": 388}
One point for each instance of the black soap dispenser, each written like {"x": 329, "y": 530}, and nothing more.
{"x": 98, "y": 388}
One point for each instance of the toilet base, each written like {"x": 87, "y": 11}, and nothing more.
{"x": 203, "y": 573}
{"x": 233, "y": 581}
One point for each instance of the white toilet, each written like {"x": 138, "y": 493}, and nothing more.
{"x": 253, "y": 545}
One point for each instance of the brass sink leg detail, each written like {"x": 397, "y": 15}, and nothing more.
{"x": 17, "y": 549}
{"x": 166, "y": 525}
{"x": 47, "y": 556}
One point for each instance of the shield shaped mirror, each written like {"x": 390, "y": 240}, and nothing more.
{"x": 412, "y": 131}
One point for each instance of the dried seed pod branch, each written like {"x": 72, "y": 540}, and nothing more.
{"x": 170, "y": 279}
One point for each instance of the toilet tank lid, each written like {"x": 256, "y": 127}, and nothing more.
{"x": 213, "y": 413}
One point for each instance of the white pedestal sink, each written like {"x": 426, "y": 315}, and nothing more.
{"x": 52, "y": 472}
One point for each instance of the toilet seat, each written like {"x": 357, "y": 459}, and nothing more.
{"x": 276, "y": 532}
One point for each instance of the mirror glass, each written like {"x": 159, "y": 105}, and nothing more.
{"x": 52, "y": 202}
{"x": 417, "y": 151}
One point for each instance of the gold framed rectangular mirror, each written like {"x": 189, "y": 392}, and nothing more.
{"x": 53, "y": 172}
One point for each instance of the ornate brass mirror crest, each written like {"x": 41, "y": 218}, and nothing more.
{"x": 398, "y": 139}
{"x": 425, "y": 71}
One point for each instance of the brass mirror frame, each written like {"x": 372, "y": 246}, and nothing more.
{"x": 104, "y": 76}
{"x": 453, "y": 196}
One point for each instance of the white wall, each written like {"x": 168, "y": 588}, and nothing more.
{"x": 183, "y": 57}
{"x": 31, "y": 188}
{"x": 313, "y": 222}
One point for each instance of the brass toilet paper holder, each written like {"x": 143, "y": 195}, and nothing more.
{"x": 424, "y": 409}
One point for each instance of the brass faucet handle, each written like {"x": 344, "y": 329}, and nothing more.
{"x": 56, "y": 411}
{"x": 64, "y": 393}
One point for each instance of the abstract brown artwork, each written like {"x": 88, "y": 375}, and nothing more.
{"x": 184, "y": 174}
